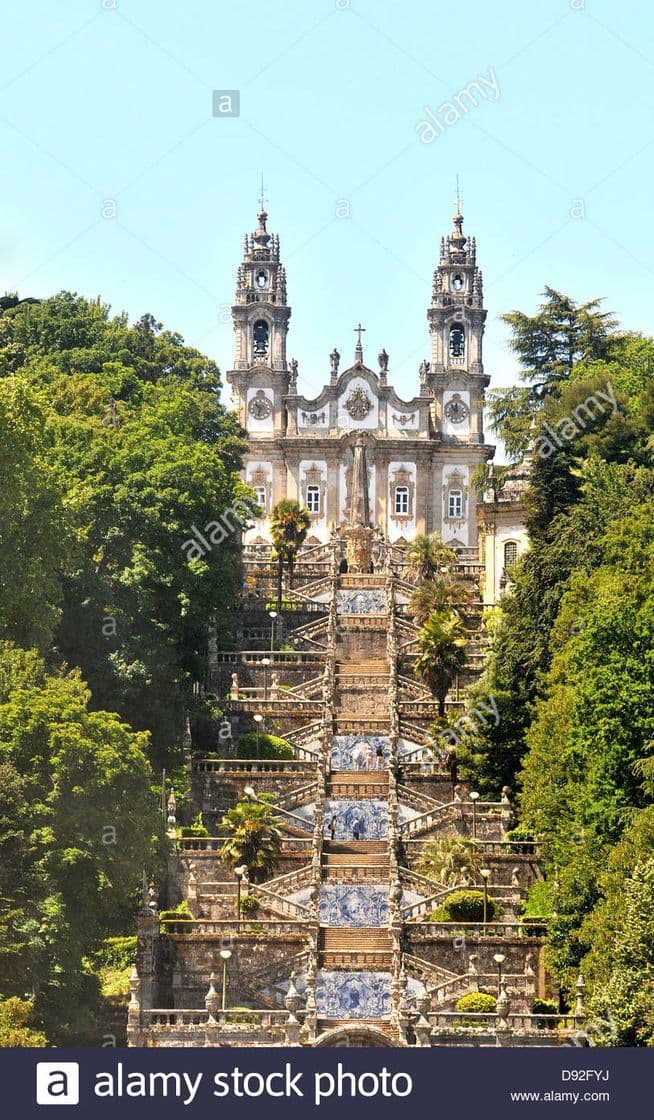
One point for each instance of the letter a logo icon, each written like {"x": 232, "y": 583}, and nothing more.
{"x": 57, "y": 1083}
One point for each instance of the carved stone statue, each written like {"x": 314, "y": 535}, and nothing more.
{"x": 383, "y": 361}
{"x": 292, "y": 382}
{"x": 424, "y": 369}
{"x": 233, "y": 692}
{"x": 334, "y": 359}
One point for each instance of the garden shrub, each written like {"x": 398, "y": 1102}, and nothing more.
{"x": 477, "y": 1002}
{"x": 249, "y": 904}
{"x": 545, "y": 1007}
{"x": 270, "y": 746}
{"x": 467, "y": 906}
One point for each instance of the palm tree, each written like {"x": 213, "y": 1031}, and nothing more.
{"x": 428, "y": 555}
{"x": 442, "y": 642}
{"x": 440, "y": 593}
{"x": 289, "y": 525}
{"x": 445, "y": 859}
{"x": 256, "y": 838}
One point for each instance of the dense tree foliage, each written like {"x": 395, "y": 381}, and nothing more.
{"x": 120, "y": 519}
{"x": 571, "y": 667}
{"x": 120, "y": 456}
{"x": 78, "y": 822}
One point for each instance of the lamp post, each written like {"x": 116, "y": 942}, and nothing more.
{"x": 273, "y": 616}
{"x": 485, "y": 873}
{"x": 225, "y": 955}
{"x": 265, "y": 662}
{"x": 474, "y": 797}
{"x": 258, "y": 720}
{"x": 499, "y": 959}
{"x": 239, "y": 873}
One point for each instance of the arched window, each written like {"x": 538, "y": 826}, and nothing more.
{"x": 260, "y": 494}
{"x": 261, "y": 338}
{"x": 455, "y": 504}
{"x": 313, "y": 499}
{"x": 457, "y": 341}
{"x": 510, "y": 554}
{"x": 402, "y": 500}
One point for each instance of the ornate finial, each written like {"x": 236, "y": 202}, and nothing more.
{"x": 458, "y": 195}
{"x": 262, "y": 196}
{"x": 358, "y": 350}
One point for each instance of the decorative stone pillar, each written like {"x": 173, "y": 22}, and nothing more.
{"x": 580, "y": 1010}
{"x": 422, "y": 1026}
{"x": 212, "y": 1028}
{"x": 292, "y": 1002}
{"x": 506, "y": 810}
{"x": 171, "y": 816}
{"x": 148, "y": 945}
{"x": 503, "y": 1008}
{"x": 134, "y": 1025}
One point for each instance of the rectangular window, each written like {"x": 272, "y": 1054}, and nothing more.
{"x": 402, "y": 500}
{"x": 510, "y": 554}
{"x": 313, "y": 499}
{"x": 455, "y": 504}
{"x": 260, "y": 493}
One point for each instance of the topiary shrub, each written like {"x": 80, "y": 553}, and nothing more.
{"x": 480, "y": 1002}
{"x": 270, "y": 746}
{"x": 467, "y": 906}
{"x": 178, "y": 913}
{"x": 249, "y": 904}
{"x": 545, "y": 1007}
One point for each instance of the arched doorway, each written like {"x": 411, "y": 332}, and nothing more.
{"x": 355, "y": 1035}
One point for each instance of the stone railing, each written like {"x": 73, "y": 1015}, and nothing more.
{"x": 298, "y": 796}
{"x": 504, "y": 930}
{"x": 471, "y": 1021}
{"x": 252, "y": 766}
{"x": 278, "y": 902}
{"x": 209, "y": 845}
{"x": 417, "y": 800}
{"x": 274, "y": 708}
{"x": 275, "y": 657}
{"x": 292, "y": 881}
{"x": 225, "y": 928}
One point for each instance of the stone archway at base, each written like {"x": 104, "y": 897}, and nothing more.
{"x": 355, "y": 1036}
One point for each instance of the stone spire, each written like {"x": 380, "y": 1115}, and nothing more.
{"x": 359, "y": 508}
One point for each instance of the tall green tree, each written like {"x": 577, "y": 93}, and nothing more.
{"x": 548, "y": 344}
{"x": 255, "y": 837}
{"x": 79, "y": 824}
{"x": 289, "y": 524}
{"x": 442, "y": 641}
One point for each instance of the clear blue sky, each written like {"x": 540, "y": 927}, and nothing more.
{"x": 112, "y": 101}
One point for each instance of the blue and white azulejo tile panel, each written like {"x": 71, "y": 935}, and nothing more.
{"x": 361, "y": 602}
{"x": 353, "y": 995}
{"x": 359, "y": 752}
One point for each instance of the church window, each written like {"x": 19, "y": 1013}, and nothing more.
{"x": 260, "y": 494}
{"x": 402, "y": 500}
{"x": 262, "y": 279}
{"x": 455, "y": 504}
{"x": 510, "y": 554}
{"x": 261, "y": 338}
{"x": 457, "y": 341}
{"x": 458, "y": 282}
{"x": 313, "y": 499}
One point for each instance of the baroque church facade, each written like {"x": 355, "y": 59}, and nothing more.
{"x": 359, "y": 453}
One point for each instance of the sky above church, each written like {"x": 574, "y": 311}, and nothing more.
{"x": 124, "y": 177}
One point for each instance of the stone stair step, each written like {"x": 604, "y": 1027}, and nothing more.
{"x": 356, "y": 959}
{"x": 338, "y": 939}
{"x": 354, "y": 847}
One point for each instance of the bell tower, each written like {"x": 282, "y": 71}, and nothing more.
{"x": 260, "y": 377}
{"x": 456, "y": 325}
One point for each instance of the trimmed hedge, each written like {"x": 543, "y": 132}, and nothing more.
{"x": 467, "y": 906}
{"x": 545, "y": 1007}
{"x": 477, "y": 1002}
{"x": 270, "y": 746}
